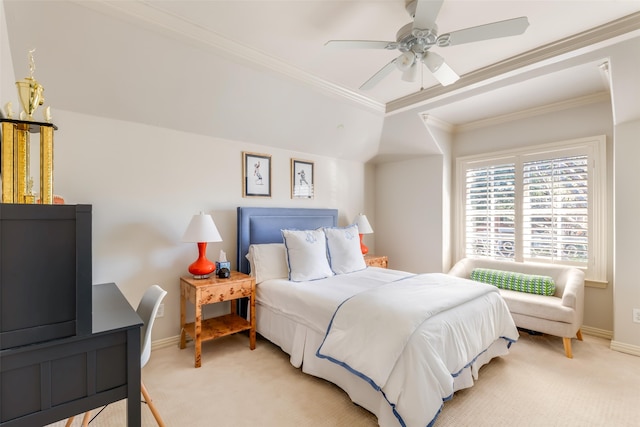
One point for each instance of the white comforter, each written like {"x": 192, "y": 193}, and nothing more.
{"x": 418, "y": 315}
{"x": 413, "y": 369}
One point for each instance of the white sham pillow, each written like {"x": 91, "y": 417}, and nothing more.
{"x": 306, "y": 254}
{"x": 268, "y": 261}
{"x": 345, "y": 255}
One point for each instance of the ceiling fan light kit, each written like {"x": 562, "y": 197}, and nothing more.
{"x": 411, "y": 75}
{"x": 416, "y": 38}
{"x": 440, "y": 70}
{"x": 406, "y": 61}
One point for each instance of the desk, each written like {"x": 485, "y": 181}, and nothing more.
{"x": 47, "y": 382}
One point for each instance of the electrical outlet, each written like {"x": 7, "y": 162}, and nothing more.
{"x": 636, "y": 315}
{"x": 160, "y": 312}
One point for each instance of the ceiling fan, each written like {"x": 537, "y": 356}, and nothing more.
{"x": 416, "y": 38}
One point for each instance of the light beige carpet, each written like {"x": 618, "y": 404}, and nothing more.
{"x": 535, "y": 385}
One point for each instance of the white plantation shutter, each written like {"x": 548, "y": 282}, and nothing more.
{"x": 490, "y": 214}
{"x": 540, "y": 204}
{"x": 555, "y": 210}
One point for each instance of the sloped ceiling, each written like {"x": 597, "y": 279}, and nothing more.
{"x": 257, "y": 71}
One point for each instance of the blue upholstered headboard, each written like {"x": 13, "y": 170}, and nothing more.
{"x": 263, "y": 225}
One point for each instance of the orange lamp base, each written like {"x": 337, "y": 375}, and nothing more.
{"x": 202, "y": 267}
{"x": 363, "y": 247}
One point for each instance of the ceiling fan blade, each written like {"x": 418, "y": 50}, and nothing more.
{"x": 440, "y": 70}
{"x": 510, "y": 27}
{"x": 426, "y": 13}
{"x": 360, "y": 44}
{"x": 381, "y": 74}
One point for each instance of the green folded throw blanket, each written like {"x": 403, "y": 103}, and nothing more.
{"x": 531, "y": 283}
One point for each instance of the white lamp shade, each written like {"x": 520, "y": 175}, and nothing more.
{"x": 201, "y": 229}
{"x": 440, "y": 70}
{"x": 411, "y": 75}
{"x": 405, "y": 61}
{"x": 363, "y": 224}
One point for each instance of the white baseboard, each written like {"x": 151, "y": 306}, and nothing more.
{"x": 615, "y": 345}
{"x": 625, "y": 348}
{"x": 165, "y": 342}
{"x": 596, "y": 332}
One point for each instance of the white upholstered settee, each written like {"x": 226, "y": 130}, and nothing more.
{"x": 559, "y": 314}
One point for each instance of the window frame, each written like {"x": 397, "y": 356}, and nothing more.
{"x": 595, "y": 148}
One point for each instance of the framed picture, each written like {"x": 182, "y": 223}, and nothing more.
{"x": 302, "y": 179}
{"x": 256, "y": 175}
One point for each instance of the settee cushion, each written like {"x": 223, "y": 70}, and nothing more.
{"x": 530, "y": 283}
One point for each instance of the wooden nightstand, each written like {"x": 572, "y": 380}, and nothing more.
{"x": 376, "y": 261}
{"x": 210, "y": 291}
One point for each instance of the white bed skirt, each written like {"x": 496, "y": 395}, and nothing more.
{"x": 301, "y": 343}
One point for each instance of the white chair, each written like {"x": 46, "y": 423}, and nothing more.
{"x": 147, "y": 310}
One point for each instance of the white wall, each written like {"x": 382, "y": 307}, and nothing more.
{"x": 627, "y": 235}
{"x": 146, "y": 182}
{"x": 409, "y": 212}
{"x": 443, "y": 138}
{"x": 7, "y": 78}
{"x": 625, "y": 86}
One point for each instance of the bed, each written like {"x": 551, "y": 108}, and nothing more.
{"x": 399, "y": 344}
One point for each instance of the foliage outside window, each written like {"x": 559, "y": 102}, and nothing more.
{"x": 540, "y": 204}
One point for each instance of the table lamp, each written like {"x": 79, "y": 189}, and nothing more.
{"x": 363, "y": 228}
{"x": 201, "y": 230}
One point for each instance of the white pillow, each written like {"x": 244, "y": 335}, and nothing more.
{"x": 306, "y": 254}
{"x": 268, "y": 261}
{"x": 345, "y": 255}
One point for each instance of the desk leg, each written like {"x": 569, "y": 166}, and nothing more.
{"x": 197, "y": 340}
{"x": 133, "y": 378}
{"x": 252, "y": 316}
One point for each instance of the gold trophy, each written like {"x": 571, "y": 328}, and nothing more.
{"x": 30, "y": 91}
{"x": 15, "y": 148}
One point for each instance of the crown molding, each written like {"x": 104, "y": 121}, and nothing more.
{"x": 430, "y": 120}
{"x": 176, "y": 26}
{"x": 535, "y": 111}
{"x": 581, "y": 40}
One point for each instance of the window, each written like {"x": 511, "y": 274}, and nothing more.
{"x": 541, "y": 204}
{"x": 490, "y": 211}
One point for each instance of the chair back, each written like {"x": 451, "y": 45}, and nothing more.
{"x": 147, "y": 310}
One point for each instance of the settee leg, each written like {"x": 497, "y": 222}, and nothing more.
{"x": 579, "y": 334}
{"x": 567, "y": 347}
